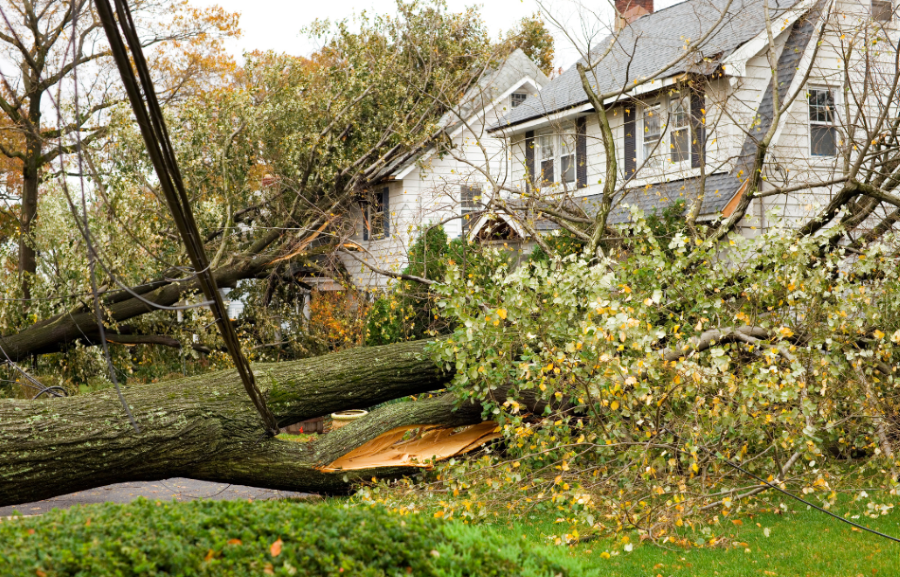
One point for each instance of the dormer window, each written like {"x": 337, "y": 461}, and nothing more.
{"x": 517, "y": 98}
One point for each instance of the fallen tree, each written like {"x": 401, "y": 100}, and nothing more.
{"x": 205, "y": 427}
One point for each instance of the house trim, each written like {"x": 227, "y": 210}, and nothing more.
{"x": 463, "y": 125}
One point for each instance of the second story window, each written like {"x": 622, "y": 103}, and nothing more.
{"x": 822, "y": 131}
{"x": 666, "y": 131}
{"x": 567, "y": 158}
{"x": 652, "y": 125}
{"x": 680, "y": 129}
{"x": 517, "y": 99}
{"x": 547, "y": 151}
{"x": 555, "y": 158}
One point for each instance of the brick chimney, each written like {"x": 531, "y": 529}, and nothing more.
{"x": 630, "y": 10}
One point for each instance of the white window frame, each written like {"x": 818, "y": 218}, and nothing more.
{"x": 811, "y": 122}
{"x": 663, "y": 146}
{"x": 471, "y": 205}
{"x": 564, "y": 150}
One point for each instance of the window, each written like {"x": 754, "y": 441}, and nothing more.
{"x": 378, "y": 225}
{"x": 469, "y": 202}
{"x": 556, "y": 158}
{"x": 822, "y": 132}
{"x": 680, "y": 129}
{"x": 567, "y": 157}
{"x": 666, "y": 128}
{"x": 652, "y": 133}
{"x": 547, "y": 150}
{"x": 882, "y": 11}
{"x": 516, "y": 99}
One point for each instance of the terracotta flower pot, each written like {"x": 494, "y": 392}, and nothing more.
{"x": 344, "y": 418}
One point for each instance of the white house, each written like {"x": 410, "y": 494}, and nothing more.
{"x": 691, "y": 125}
{"x": 443, "y": 182}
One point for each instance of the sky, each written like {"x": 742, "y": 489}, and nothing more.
{"x": 275, "y": 24}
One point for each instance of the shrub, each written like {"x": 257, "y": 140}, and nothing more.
{"x": 262, "y": 538}
{"x": 409, "y": 311}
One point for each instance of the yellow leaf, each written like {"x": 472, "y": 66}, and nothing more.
{"x": 439, "y": 514}
{"x": 614, "y": 405}
{"x": 275, "y": 549}
{"x": 604, "y": 555}
{"x": 737, "y": 522}
{"x": 209, "y": 555}
{"x": 501, "y": 313}
{"x": 878, "y": 334}
{"x": 234, "y": 541}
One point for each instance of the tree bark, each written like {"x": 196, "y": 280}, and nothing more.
{"x": 205, "y": 427}
{"x": 30, "y": 184}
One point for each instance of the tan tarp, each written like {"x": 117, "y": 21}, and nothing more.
{"x": 431, "y": 444}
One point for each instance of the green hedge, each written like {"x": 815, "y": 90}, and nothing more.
{"x": 237, "y": 537}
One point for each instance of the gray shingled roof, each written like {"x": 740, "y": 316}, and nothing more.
{"x": 651, "y": 42}
{"x": 719, "y": 189}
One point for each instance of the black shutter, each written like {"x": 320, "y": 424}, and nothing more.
{"x": 386, "y": 196}
{"x": 365, "y": 219}
{"x": 581, "y": 152}
{"x": 698, "y": 129}
{"x": 630, "y": 139}
{"x": 529, "y": 159}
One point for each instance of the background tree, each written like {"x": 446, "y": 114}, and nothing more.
{"x": 277, "y": 161}
{"x": 45, "y": 41}
{"x": 535, "y": 39}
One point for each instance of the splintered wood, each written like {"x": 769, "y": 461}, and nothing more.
{"x": 432, "y": 443}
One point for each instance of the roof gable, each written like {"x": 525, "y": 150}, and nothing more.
{"x": 493, "y": 85}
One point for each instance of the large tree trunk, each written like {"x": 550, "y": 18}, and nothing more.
{"x": 205, "y": 427}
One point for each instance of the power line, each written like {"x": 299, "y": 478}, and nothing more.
{"x": 152, "y": 124}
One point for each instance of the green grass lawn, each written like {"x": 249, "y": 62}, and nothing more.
{"x": 804, "y": 543}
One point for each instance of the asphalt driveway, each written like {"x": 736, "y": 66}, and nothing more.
{"x": 179, "y": 489}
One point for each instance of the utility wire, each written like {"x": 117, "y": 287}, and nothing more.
{"x": 807, "y": 503}
{"x": 737, "y": 467}
{"x": 149, "y": 116}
